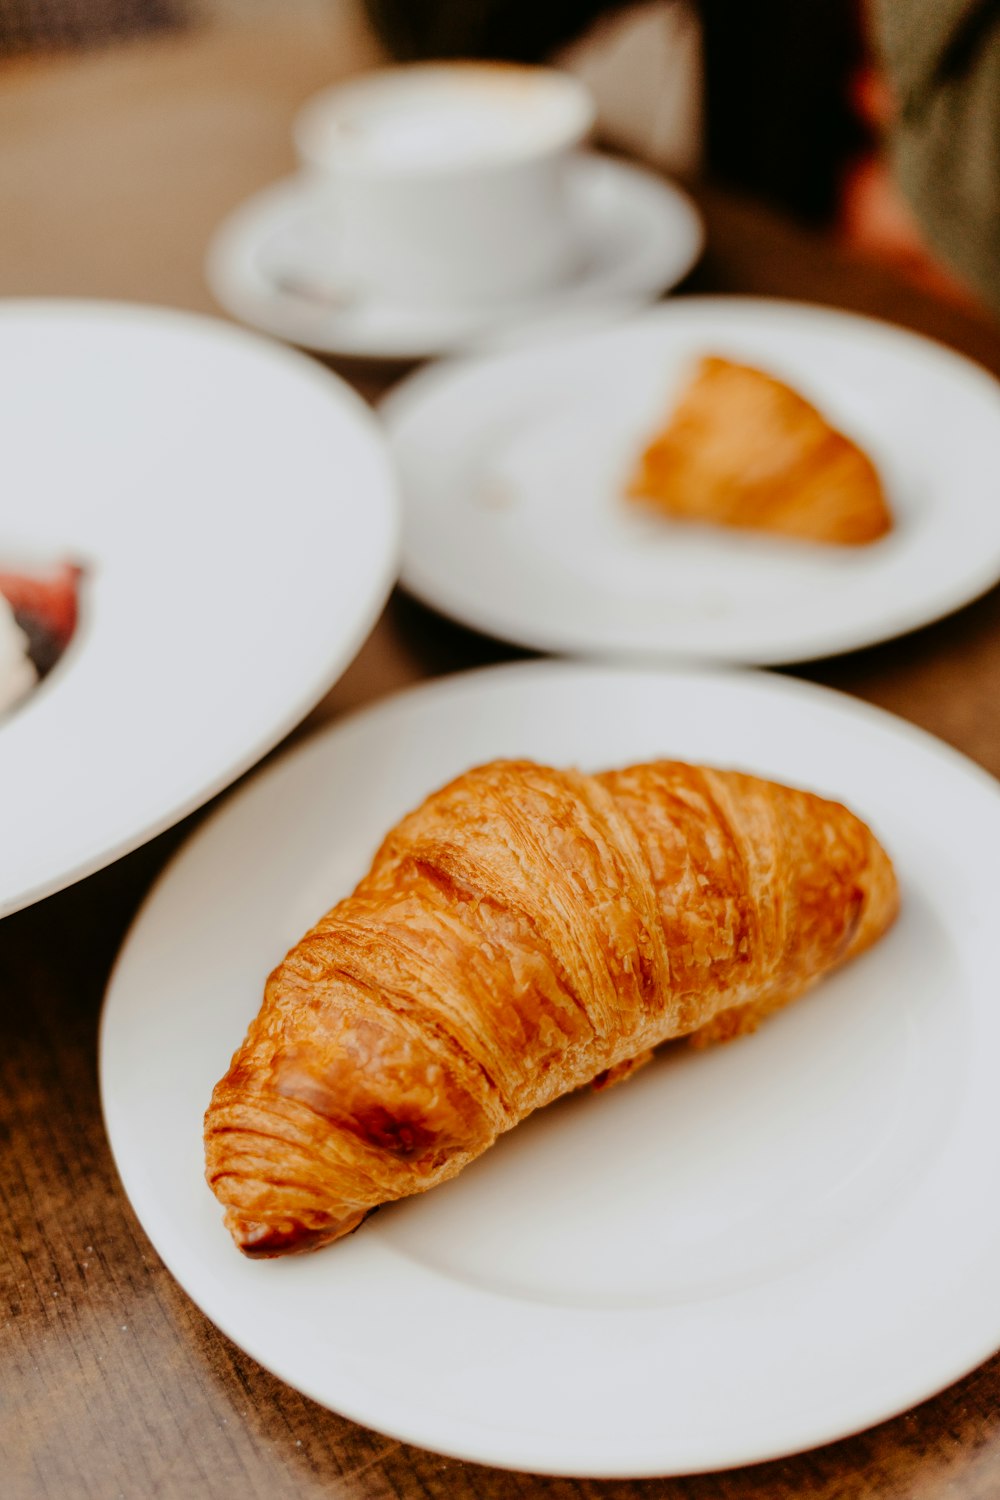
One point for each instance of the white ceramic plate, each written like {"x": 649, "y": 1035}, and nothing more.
{"x": 235, "y": 510}
{"x": 741, "y": 1252}
{"x": 274, "y": 264}
{"x": 513, "y": 470}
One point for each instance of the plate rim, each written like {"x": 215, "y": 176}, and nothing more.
{"x": 231, "y": 237}
{"x": 396, "y": 406}
{"x": 527, "y": 1458}
{"x": 101, "y": 311}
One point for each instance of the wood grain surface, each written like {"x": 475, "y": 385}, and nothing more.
{"x": 113, "y": 171}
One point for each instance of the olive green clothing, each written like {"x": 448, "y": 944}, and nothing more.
{"x": 942, "y": 58}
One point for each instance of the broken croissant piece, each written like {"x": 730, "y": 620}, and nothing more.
{"x": 524, "y": 932}
{"x": 742, "y": 449}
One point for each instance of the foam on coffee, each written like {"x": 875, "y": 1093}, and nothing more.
{"x": 442, "y": 116}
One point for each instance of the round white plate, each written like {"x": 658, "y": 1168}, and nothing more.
{"x": 274, "y": 264}
{"x": 234, "y": 508}
{"x": 740, "y": 1253}
{"x": 514, "y": 467}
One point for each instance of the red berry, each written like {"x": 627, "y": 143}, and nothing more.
{"x": 49, "y": 599}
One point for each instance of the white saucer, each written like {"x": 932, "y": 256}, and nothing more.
{"x": 234, "y": 510}
{"x": 740, "y": 1253}
{"x": 514, "y": 469}
{"x": 273, "y": 264}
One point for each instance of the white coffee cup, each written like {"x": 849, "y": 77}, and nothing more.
{"x": 447, "y": 180}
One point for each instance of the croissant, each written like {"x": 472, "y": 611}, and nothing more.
{"x": 522, "y": 933}
{"x": 742, "y": 449}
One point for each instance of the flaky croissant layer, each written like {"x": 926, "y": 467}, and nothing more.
{"x": 524, "y": 932}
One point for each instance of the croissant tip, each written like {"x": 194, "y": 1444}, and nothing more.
{"x": 260, "y": 1241}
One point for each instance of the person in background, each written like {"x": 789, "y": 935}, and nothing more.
{"x": 785, "y": 101}
{"x": 941, "y": 61}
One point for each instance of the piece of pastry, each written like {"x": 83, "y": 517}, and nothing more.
{"x": 742, "y": 449}
{"x": 522, "y": 933}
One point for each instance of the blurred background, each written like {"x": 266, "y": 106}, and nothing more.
{"x": 875, "y": 121}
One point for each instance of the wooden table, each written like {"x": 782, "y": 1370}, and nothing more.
{"x": 113, "y": 172}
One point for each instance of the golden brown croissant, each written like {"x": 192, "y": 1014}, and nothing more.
{"x": 742, "y": 449}
{"x": 525, "y": 931}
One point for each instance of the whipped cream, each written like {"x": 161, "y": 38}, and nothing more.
{"x": 17, "y": 672}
